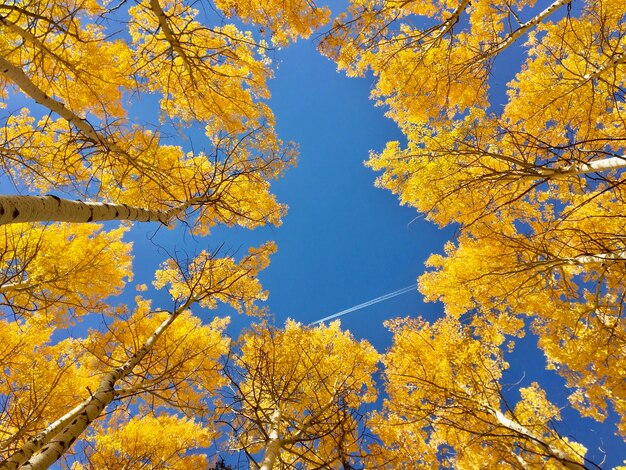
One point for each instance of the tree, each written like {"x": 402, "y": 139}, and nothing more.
{"x": 285, "y": 21}
{"x": 431, "y": 59}
{"x": 295, "y": 396}
{"x": 535, "y": 189}
{"x": 432, "y": 63}
{"x": 150, "y": 358}
{"x": 527, "y": 187}
{"x": 140, "y": 441}
{"x": 446, "y": 405}
{"x": 213, "y": 77}
{"x": 80, "y": 137}
{"x": 569, "y": 281}
{"x": 463, "y": 163}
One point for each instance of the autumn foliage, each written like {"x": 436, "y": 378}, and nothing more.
{"x": 534, "y": 188}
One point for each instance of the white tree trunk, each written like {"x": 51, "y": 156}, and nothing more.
{"x": 557, "y": 454}
{"x": 605, "y": 164}
{"x": 15, "y": 209}
{"x": 615, "y": 60}
{"x": 511, "y": 38}
{"x": 156, "y": 8}
{"x": 599, "y": 258}
{"x": 450, "y": 22}
{"x": 17, "y": 76}
{"x": 15, "y": 287}
{"x": 272, "y": 449}
{"x": 596, "y": 166}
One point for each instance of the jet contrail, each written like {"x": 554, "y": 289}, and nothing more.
{"x": 404, "y": 290}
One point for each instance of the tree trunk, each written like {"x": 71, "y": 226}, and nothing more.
{"x": 557, "y": 454}
{"x": 272, "y": 449}
{"x": 599, "y": 258}
{"x": 614, "y": 61}
{"x": 523, "y": 28}
{"x": 15, "y": 209}
{"x": 548, "y": 173}
{"x": 605, "y": 164}
{"x": 17, "y": 76}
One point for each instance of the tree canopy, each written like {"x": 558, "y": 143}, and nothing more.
{"x": 159, "y": 112}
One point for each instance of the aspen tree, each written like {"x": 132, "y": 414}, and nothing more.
{"x": 535, "y": 186}
{"x": 152, "y": 358}
{"x": 446, "y": 405}
{"x": 60, "y": 57}
{"x": 78, "y": 152}
{"x": 296, "y": 392}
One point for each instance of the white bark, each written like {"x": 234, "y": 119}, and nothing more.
{"x": 615, "y": 60}
{"x": 514, "y": 36}
{"x": 38, "y": 441}
{"x": 605, "y": 164}
{"x": 155, "y": 6}
{"x": 30, "y": 37}
{"x": 15, "y": 287}
{"x": 566, "y": 460}
{"x": 449, "y": 23}
{"x": 41, "y": 452}
{"x": 17, "y": 76}
{"x": 599, "y": 258}
{"x": 308, "y": 421}
{"x": 16, "y": 209}
{"x": 272, "y": 448}
{"x": 596, "y": 166}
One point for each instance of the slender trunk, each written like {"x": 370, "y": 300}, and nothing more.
{"x": 46, "y": 448}
{"x": 272, "y": 448}
{"x": 310, "y": 419}
{"x": 449, "y": 23}
{"x": 605, "y": 164}
{"x": 522, "y": 463}
{"x": 37, "y": 43}
{"x": 15, "y": 287}
{"x": 599, "y": 258}
{"x": 566, "y": 460}
{"x": 36, "y": 442}
{"x": 523, "y": 28}
{"x": 615, "y": 60}
{"x": 15, "y": 209}
{"x": 156, "y": 8}
{"x": 17, "y": 76}
{"x": 275, "y": 443}
{"x": 596, "y": 166}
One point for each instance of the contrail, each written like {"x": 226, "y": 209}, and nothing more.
{"x": 404, "y": 290}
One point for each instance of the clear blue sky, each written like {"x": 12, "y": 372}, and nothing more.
{"x": 344, "y": 241}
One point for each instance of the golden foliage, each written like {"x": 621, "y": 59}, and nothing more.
{"x": 285, "y": 20}
{"x": 45, "y": 270}
{"x": 81, "y": 67}
{"x": 305, "y": 384}
{"x": 535, "y": 187}
{"x": 445, "y": 402}
{"x": 161, "y": 441}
